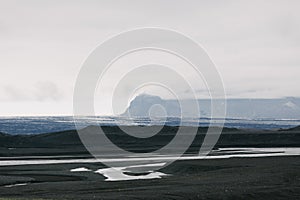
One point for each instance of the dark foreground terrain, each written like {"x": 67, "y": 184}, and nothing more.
{"x": 235, "y": 178}
{"x": 69, "y": 143}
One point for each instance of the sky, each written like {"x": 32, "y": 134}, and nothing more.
{"x": 255, "y": 45}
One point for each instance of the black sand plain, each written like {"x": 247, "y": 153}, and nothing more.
{"x": 234, "y": 178}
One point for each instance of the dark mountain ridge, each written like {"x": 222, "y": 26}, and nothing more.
{"x": 68, "y": 142}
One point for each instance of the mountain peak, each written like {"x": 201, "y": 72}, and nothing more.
{"x": 141, "y": 105}
{"x": 281, "y": 108}
{"x": 146, "y": 98}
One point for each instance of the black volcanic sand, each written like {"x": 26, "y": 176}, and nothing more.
{"x": 235, "y": 178}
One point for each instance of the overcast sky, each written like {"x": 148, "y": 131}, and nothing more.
{"x": 254, "y": 44}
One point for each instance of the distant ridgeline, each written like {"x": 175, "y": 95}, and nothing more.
{"x": 285, "y": 108}
{"x": 241, "y": 113}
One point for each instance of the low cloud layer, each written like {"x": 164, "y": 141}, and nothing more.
{"x": 40, "y": 91}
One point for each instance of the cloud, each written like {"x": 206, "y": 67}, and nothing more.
{"x": 12, "y": 93}
{"x": 255, "y": 44}
{"x": 41, "y": 91}
{"x": 46, "y": 90}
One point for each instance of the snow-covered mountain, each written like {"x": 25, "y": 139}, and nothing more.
{"x": 285, "y": 108}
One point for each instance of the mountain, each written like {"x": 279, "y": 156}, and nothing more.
{"x": 297, "y": 128}
{"x": 285, "y": 108}
{"x": 141, "y": 105}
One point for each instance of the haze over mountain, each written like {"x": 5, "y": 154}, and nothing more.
{"x": 284, "y": 108}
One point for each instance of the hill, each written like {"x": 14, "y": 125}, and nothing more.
{"x": 68, "y": 142}
{"x": 297, "y": 128}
